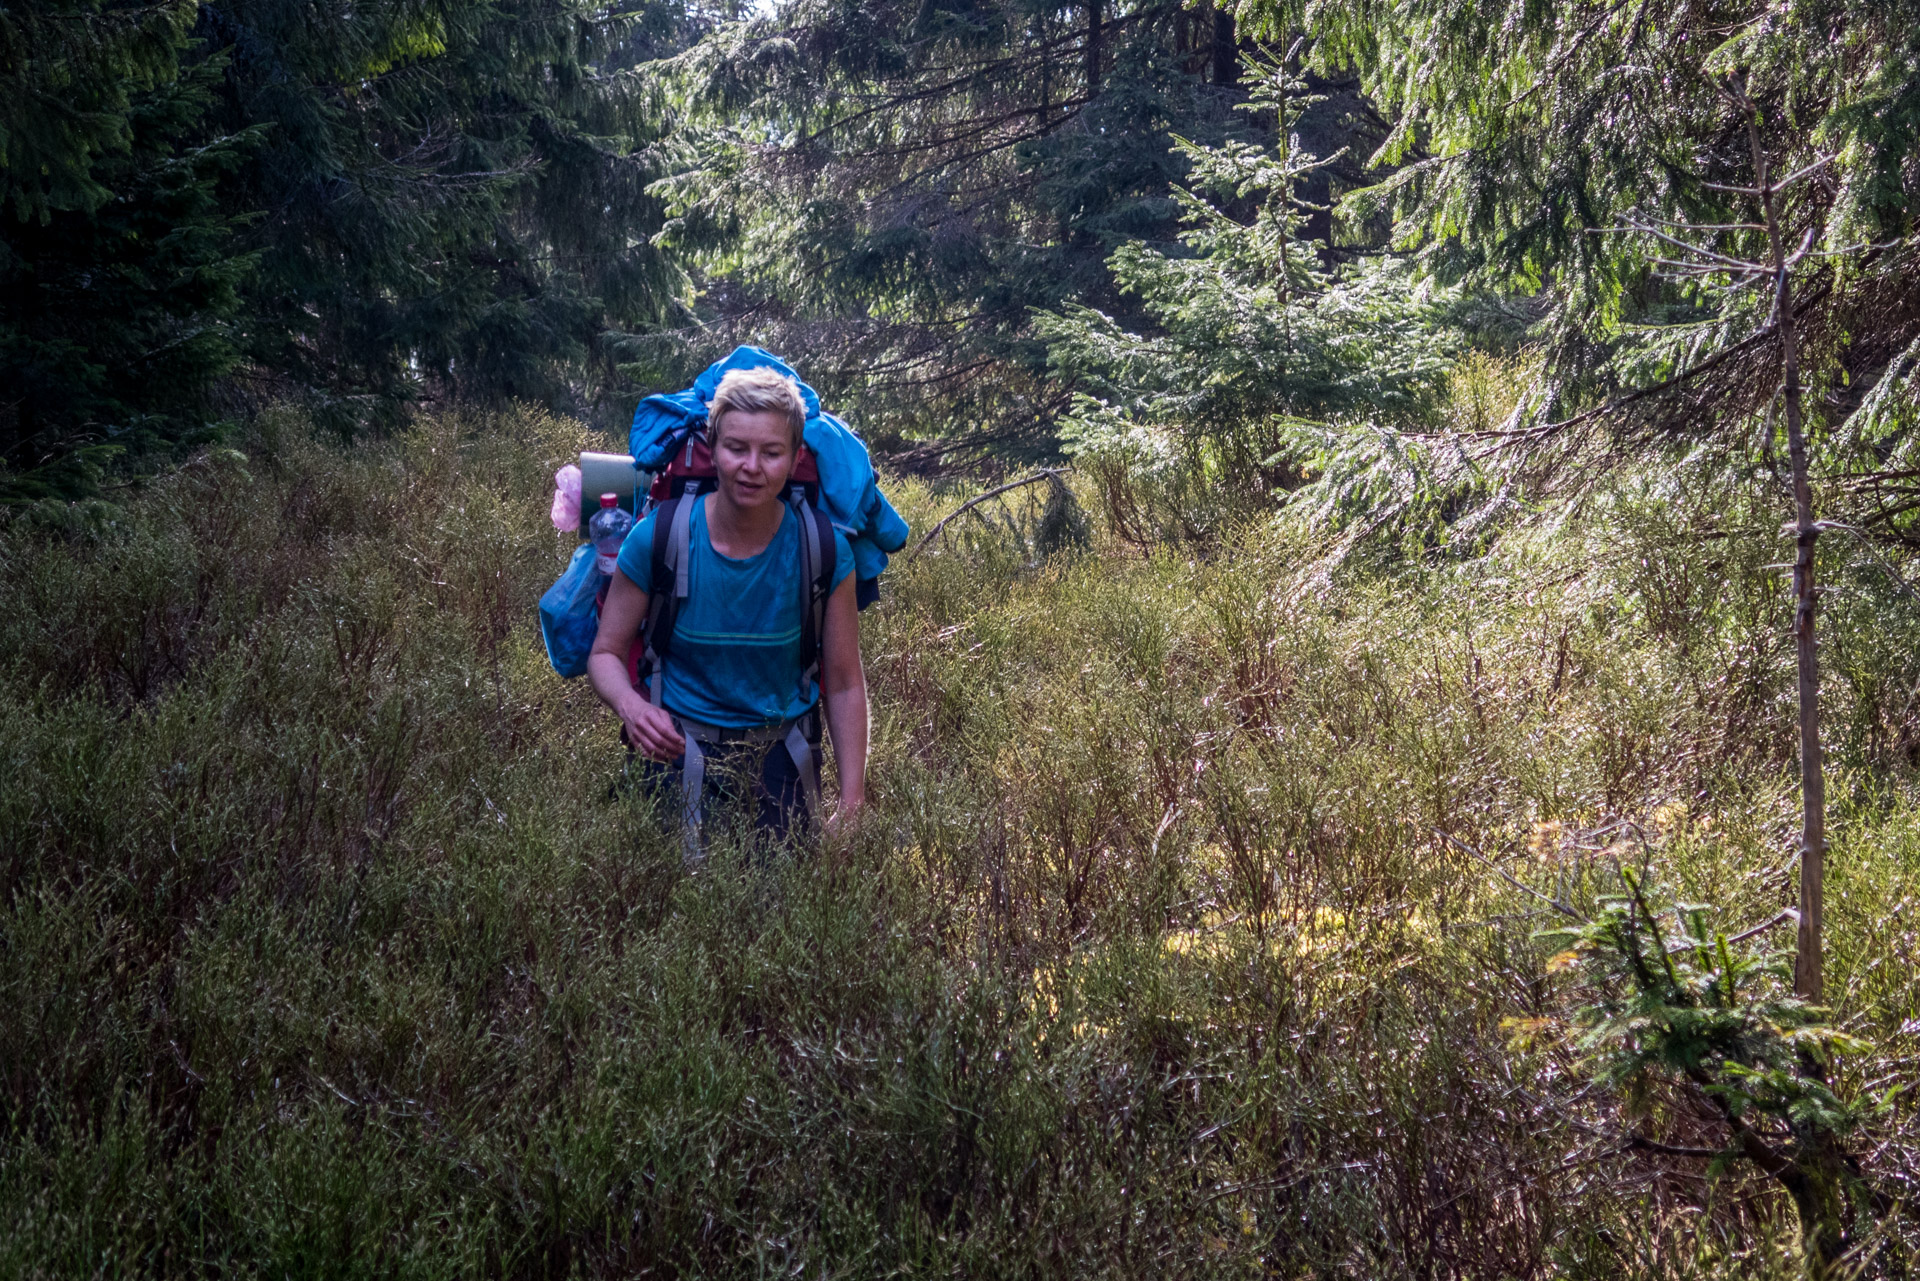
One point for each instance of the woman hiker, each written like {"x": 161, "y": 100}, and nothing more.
{"x": 735, "y": 700}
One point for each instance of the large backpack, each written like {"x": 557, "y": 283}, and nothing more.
{"x": 833, "y": 477}
{"x": 687, "y": 478}
{"x": 847, "y": 491}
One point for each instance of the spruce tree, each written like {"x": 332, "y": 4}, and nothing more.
{"x": 363, "y": 204}
{"x": 887, "y": 191}
{"x": 1521, "y": 137}
{"x": 69, "y": 72}
{"x": 120, "y": 277}
{"x": 454, "y": 199}
{"x": 1264, "y": 361}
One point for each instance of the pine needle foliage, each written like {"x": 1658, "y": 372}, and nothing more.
{"x": 1694, "y": 1005}
{"x": 887, "y": 191}
{"x": 1266, "y": 370}
{"x": 207, "y": 205}
{"x": 70, "y": 71}
{"x": 1528, "y": 143}
{"x": 1720, "y": 1022}
{"x": 1574, "y": 178}
{"x": 454, "y": 200}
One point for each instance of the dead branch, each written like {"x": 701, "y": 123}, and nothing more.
{"x": 1044, "y": 473}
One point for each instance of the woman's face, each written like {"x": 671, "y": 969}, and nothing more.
{"x": 753, "y": 453}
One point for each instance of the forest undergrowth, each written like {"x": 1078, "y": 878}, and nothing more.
{"x": 1193, "y": 931}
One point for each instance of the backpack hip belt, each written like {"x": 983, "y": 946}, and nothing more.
{"x": 797, "y": 736}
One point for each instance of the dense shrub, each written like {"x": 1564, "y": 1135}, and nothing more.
{"x": 330, "y": 949}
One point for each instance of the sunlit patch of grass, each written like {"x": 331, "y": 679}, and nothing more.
{"x": 1216, "y": 934}
{"x": 1484, "y": 387}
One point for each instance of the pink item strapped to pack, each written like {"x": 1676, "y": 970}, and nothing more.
{"x": 566, "y": 499}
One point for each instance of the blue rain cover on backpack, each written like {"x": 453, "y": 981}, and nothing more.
{"x": 570, "y": 614}
{"x": 849, "y": 494}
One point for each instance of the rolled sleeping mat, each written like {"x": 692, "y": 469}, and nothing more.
{"x": 610, "y": 474}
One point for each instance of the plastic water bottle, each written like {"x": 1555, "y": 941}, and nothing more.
{"x": 608, "y": 529}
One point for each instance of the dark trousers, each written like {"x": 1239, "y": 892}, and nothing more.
{"x": 755, "y": 782}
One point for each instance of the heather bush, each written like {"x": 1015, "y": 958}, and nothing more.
{"x": 1194, "y": 931}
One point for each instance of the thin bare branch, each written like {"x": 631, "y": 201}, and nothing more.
{"x": 1043, "y": 474}
{"x": 1558, "y": 906}
{"x": 1646, "y": 229}
{"x": 1798, "y": 174}
{"x": 1781, "y": 917}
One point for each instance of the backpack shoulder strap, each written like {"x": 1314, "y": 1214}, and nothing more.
{"x": 671, "y": 561}
{"x": 818, "y": 563}
{"x": 829, "y": 566}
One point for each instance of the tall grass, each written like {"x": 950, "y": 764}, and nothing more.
{"x": 329, "y": 948}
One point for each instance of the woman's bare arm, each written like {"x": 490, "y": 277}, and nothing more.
{"x": 843, "y": 685}
{"x": 621, "y": 617}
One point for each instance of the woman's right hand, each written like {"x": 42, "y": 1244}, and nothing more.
{"x": 650, "y": 730}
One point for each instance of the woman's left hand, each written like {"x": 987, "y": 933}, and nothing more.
{"x": 845, "y": 817}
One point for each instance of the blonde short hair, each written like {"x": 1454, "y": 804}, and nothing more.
{"x": 757, "y": 391}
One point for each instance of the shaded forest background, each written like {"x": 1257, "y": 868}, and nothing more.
{"x": 1247, "y": 243}
{"x": 1336, "y": 820}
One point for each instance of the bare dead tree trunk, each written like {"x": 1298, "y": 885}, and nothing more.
{"x": 1813, "y": 789}
{"x": 1226, "y": 49}
{"x": 1093, "y": 47}
{"x": 1046, "y": 76}
{"x": 1814, "y": 1167}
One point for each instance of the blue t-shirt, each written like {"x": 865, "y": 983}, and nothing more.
{"x": 735, "y": 659}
